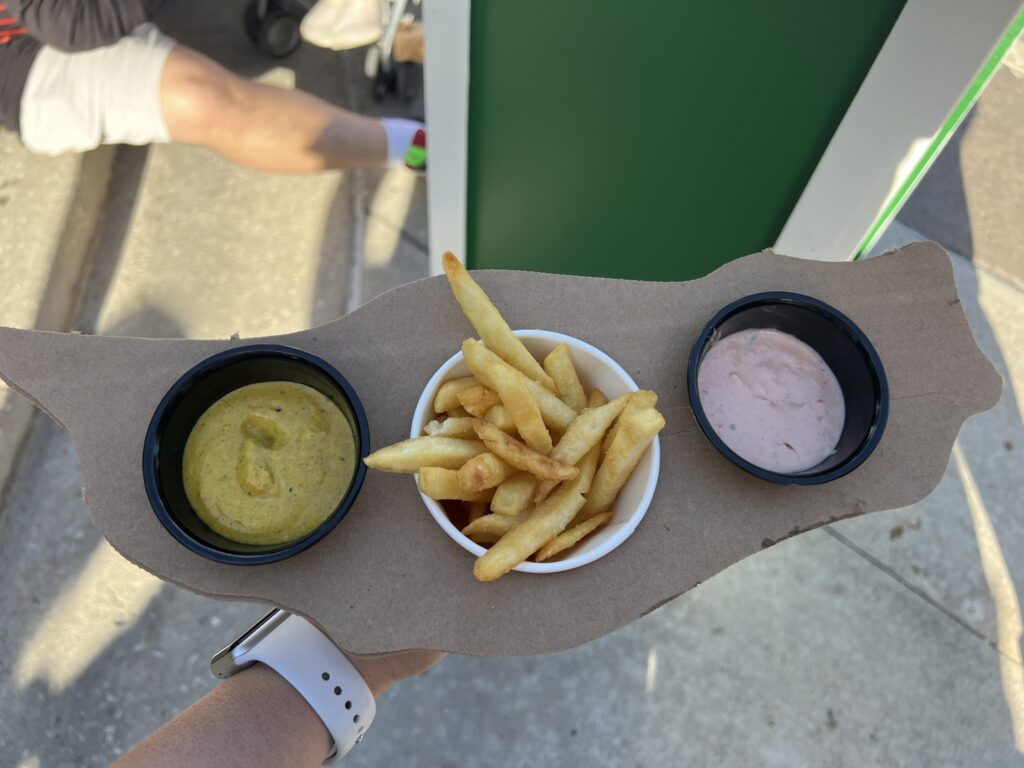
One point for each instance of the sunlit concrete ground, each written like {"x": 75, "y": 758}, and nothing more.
{"x": 893, "y": 639}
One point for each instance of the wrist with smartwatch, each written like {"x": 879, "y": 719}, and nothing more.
{"x": 313, "y": 666}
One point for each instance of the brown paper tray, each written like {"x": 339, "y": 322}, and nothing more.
{"x": 389, "y": 579}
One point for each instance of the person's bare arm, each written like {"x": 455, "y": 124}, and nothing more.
{"x": 255, "y": 719}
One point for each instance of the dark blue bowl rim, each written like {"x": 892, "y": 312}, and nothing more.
{"x": 847, "y": 326}
{"x": 151, "y": 452}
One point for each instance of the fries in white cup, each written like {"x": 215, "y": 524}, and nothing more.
{"x": 553, "y": 469}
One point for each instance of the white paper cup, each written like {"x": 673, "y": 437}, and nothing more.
{"x": 595, "y": 369}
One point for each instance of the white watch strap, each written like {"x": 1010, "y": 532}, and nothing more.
{"x": 313, "y": 665}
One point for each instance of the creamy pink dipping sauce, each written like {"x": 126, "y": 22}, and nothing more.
{"x": 772, "y": 399}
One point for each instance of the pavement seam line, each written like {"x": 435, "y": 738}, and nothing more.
{"x": 357, "y": 242}
{"x": 357, "y": 204}
{"x": 902, "y": 581}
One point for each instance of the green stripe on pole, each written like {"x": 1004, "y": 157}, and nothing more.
{"x": 956, "y": 117}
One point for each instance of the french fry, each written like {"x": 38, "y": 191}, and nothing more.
{"x": 477, "y": 509}
{"x": 498, "y": 416}
{"x": 518, "y": 449}
{"x": 583, "y": 434}
{"x": 459, "y": 426}
{"x": 572, "y": 536}
{"x": 417, "y": 452}
{"x": 555, "y": 413}
{"x": 484, "y": 538}
{"x": 520, "y": 456}
{"x": 495, "y": 525}
{"x": 582, "y": 482}
{"x": 540, "y": 526}
{"x": 559, "y": 367}
{"x": 587, "y": 430}
{"x": 488, "y": 322}
{"x": 520, "y": 406}
{"x": 588, "y": 468}
{"x": 513, "y": 495}
{"x": 483, "y": 472}
{"x": 478, "y": 400}
{"x": 637, "y": 402}
{"x": 635, "y": 434}
{"x": 589, "y": 463}
{"x": 447, "y": 396}
{"x": 440, "y": 484}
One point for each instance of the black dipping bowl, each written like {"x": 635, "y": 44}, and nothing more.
{"x": 189, "y": 398}
{"x": 845, "y": 349}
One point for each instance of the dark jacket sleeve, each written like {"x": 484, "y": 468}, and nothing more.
{"x": 80, "y": 25}
{"x": 16, "y": 59}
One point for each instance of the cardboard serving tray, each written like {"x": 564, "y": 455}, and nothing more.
{"x": 388, "y": 579}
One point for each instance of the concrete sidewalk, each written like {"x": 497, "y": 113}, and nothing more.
{"x": 889, "y": 640}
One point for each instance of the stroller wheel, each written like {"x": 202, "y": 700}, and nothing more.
{"x": 251, "y": 22}
{"x": 384, "y": 84}
{"x": 406, "y": 81}
{"x": 279, "y": 35}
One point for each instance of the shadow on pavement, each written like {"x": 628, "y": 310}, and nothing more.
{"x": 938, "y": 207}
{"x": 127, "y": 174}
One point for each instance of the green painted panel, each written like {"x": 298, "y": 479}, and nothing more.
{"x": 650, "y": 139}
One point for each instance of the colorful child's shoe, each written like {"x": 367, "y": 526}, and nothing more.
{"x": 416, "y": 157}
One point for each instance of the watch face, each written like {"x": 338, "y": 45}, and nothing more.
{"x": 223, "y": 663}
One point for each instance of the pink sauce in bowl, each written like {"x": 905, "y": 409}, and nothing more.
{"x": 771, "y": 399}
